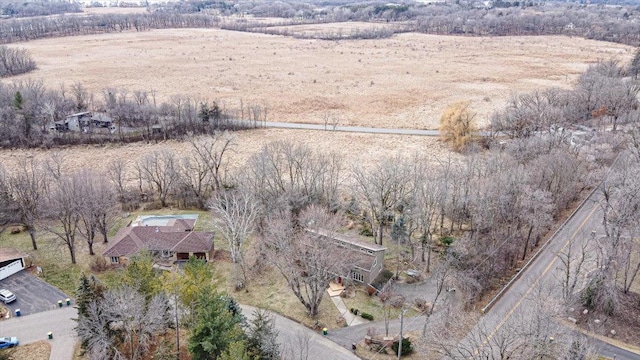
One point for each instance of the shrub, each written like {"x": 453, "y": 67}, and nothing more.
{"x": 407, "y": 348}
{"x": 446, "y": 240}
{"x": 99, "y": 264}
{"x": 15, "y": 61}
{"x": 367, "y": 316}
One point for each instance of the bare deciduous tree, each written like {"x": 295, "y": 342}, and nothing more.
{"x": 27, "y": 185}
{"x": 204, "y": 169}
{"x": 123, "y": 325}
{"x": 160, "y": 170}
{"x": 304, "y": 255}
{"x": 235, "y": 215}
{"x": 62, "y": 208}
{"x": 382, "y": 189}
{"x": 96, "y": 206}
{"x": 117, "y": 174}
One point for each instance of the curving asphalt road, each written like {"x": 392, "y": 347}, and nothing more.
{"x": 292, "y": 334}
{"x": 35, "y": 327}
{"x": 517, "y": 298}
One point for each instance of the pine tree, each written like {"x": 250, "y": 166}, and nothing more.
{"x": 215, "y": 330}
{"x": 236, "y": 351}
{"x": 141, "y": 275}
{"x": 262, "y": 337}
{"x": 89, "y": 290}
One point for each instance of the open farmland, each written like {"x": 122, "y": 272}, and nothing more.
{"x": 405, "y": 81}
{"x": 352, "y": 148}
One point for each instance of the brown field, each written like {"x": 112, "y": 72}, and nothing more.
{"x": 353, "y": 148}
{"x": 405, "y": 81}
{"x": 344, "y": 28}
{"x": 113, "y": 10}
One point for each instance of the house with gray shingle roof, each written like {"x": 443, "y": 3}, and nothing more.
{"x": 172, "y": 242}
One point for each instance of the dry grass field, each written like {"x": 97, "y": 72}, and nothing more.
{"x": 405, "y": 81}
{"x": 353, "y": 148}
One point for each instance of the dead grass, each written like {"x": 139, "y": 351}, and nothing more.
{"x": 405, "y": 81}
{"x": 626, "y": 322}
{"x": 352, "y": 148}
{"x": 39, "y": 350}
{"x": 269, "y": 291}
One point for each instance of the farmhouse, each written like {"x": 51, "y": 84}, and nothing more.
{"x": 368, "y": 258}
{"x": 169, "y": 238}
{"x": 83, "y": 121}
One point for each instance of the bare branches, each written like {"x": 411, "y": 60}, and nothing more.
{"x": 382, "y": 189}
{"x": 306, "y": 259}
{"x": 160, "y": 170}
{"x": 235, "y": 216}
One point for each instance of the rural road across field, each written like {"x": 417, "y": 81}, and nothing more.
{"x": 329, "y": 127}
{"x": 518, "y": 298}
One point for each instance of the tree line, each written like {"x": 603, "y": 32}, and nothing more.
{"x": 616, "y": 24}
{"x": 14, "y": 8}
{"x": 29, "y": 112}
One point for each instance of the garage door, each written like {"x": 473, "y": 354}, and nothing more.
{"x": 11, "y": 269}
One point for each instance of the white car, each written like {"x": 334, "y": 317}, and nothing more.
{"x": 7, "y": 296}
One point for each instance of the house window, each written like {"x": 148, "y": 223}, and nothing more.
{"x": 357, "y": 276}
{"x": 115, "y": 259}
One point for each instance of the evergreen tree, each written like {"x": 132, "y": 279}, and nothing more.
{"x": 262, "y": 337}
{"x": 90, "y": 290}
{"x": 399, "y": 231}
{"x": 141, "y": 276}
{"x": 635, "y": 64}
{"x": 17, "y": 100}
{"x": 215, "y": 330}
{"x": 236, "y": 351}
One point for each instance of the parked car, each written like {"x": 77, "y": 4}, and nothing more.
{"x": 8, "y": 342}
{"x": 7, "y": 296}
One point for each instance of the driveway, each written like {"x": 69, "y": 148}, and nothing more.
{"x": 36, "y": 327}
{"x": 32, "y": 294}
{"x": 299, "y": 342}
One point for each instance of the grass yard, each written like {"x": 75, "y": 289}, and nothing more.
{"x": 39, "y": 350}
{"x": 269, "y": 291}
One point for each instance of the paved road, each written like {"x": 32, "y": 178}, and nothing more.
{"x": 32, "y": 294}
{"x": 518, "y": 298}
{"x": 292, "y": 334}
{"x": 35, "y": 327}
{"x": 355, "y": 334}
{"x": 354, "y": 129}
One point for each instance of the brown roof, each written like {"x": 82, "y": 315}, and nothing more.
{"x": 131, "y": 240}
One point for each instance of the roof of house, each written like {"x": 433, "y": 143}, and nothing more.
{"x": 349, "y": 239}
{"x": 131, "y": 240}
{"x": 10, "y": 254}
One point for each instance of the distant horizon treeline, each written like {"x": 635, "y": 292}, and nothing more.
{"x": 620, "y": 24}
